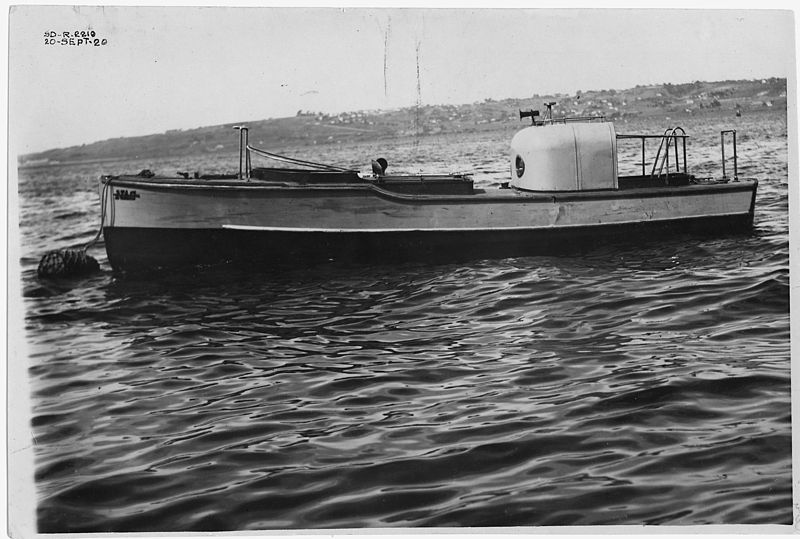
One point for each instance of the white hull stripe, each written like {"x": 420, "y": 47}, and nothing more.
{"x": 468, "y": 229}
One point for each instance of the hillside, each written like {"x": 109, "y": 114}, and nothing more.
{"x": 309, "y": 128}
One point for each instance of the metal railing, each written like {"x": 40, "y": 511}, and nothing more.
{"x": 735, "y": 156}
{"x": 537, "y": 120}
{"x": 667, "y": 138}
{"x": 671, "y": 138}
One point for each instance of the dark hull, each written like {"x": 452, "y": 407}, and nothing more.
{"x": 146, "y": 249}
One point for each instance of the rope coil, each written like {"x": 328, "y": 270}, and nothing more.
{"x": 66, "y": 263}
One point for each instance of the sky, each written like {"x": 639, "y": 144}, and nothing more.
{"x": 185, "y": 67}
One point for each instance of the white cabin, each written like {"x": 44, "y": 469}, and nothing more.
{"x": 571, "y": 156}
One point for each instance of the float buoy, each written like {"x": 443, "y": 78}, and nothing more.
{"x": 66, "y": 263}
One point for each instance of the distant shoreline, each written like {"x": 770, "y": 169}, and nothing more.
{"x": 310, "y": 129}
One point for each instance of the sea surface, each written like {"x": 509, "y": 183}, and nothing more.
{"x": 632, "y": 383}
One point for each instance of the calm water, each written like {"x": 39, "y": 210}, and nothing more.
{"x": 630, "y": 384}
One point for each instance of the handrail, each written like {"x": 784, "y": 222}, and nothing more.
{"x": 678, "y": 134}
{"x": 624, "y": 135}
{"x": 549, "y": 120}
{"x": 735, "y": 156}
{"x": 568, "y": 119}
{"x": 669, "y": 137}
{"x": 683, "y": 138}
{"x": 658, "y": 154}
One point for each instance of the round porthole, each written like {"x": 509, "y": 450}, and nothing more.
{"x": 520, "y": 164}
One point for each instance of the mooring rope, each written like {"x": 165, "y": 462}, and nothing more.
{"x": 70, "y": 262}
{"x": 294, "y": 161}
{"x": 103, "y": 205}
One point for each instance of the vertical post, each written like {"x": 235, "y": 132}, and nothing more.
{"x": 735, "y": 164}
{"x": 242, "y": 133}
{"x": 685, "y": 168}
{"x": 240, "y": 153}
{"x": 722, "y": 145}
{"x": 677, "y": 161}
{"x": 644, "y": 172}
{"x": 247, "y": 153}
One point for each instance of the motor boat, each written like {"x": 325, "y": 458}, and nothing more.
{"x": 563, "y": 191}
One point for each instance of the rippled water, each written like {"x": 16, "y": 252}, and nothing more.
{"x": 629, "y": 384}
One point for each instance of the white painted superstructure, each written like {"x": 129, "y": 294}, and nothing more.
{"x": 574, "y": 156}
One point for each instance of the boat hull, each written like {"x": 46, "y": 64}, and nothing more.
{"x": 143, "y": 249}
{"x": 151, "y": 224}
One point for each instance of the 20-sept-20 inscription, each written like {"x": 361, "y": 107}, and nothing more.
{"x": 75, "y": 38}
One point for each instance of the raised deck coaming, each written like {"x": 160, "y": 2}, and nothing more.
{"x": 479, "y": 195}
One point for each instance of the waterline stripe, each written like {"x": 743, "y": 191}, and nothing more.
{"x": 468, "y": 229}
